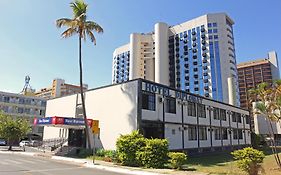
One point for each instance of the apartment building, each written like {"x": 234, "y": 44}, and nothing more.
{"x": 252, "y": 73}
{"x": 196, "y": 56}
{"x": 59, "y": 89}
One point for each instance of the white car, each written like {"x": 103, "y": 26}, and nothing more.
{"x": 24, "y": 143}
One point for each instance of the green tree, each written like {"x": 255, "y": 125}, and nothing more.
{"x": 268, "y": 103}
{"x": 249, "y": 160}
{"x": 82, "y": 27}
{"x": 13, "y": 129}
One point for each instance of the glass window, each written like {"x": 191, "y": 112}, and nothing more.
{"x": 235, "y": 134}
{"x": 210, "y": 31}
{"x": 209, "y": 24}
{"x": 202, "y": 133}
{"x": 201, "y": 110}
{"x": 216, "y": 114}
{"x": 171, "y": 105}
{"x": 210, "y": 37}
{"x": 247, "y": 119}
{"x": 20, "y": 110}
{"x": 222, "y": 114}
{"x": 217, "y": 134}
{"x": 216, "y": 36}
{"x": 215, "y": 24}
{"x": 148, "y": 101}
{"x": 234, "y": 119}
{"x": 239, "y": 120}
{"x": 191, "y": 109}
{"x": 6, "y": 99}
{"x": 224, "y": 134}
{"x": 240, "y": 134}
{"x": 192, "y": 133}
{"x": 215, "y": 30}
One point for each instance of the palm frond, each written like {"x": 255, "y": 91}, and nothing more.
{"x": 90, "y": 25}
{"x": 78, "y": 8}
{"x": 65, "y": 22}
{"x": 91, "y": 35}
{"x": 69, "y": 32}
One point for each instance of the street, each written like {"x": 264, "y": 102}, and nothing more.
{"x": 14, "y": 164}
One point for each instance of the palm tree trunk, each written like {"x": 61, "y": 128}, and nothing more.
{"x": 82, "y": 95}
{"x": 274, "y": 146}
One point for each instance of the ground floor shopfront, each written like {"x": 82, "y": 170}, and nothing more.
{"x": 189, "y": 122}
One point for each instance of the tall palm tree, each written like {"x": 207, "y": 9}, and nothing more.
{"x": 84, "y": 28}
{"x": 268, "y": 103}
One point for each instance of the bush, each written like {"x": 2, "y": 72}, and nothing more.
{"x": 154, "y": 153}
{"x": 107, "y": 155}
{"x": 177, "y": 159}
{"x": 249, "y": 160}
{"x": 127, "y": 147}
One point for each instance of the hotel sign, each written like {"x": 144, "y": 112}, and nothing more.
{"x": 167, "y": 92}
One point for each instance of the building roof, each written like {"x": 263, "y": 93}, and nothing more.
{"x": 252, "y": 63}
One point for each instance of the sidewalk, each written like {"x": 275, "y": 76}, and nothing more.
{"x": 108, "y": 166}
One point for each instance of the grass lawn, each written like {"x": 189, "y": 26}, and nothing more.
{"x": 223, "y": 164}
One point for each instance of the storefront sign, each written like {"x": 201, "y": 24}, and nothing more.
{"x": 166, "y": 92}
{"x": 42, "y": 121}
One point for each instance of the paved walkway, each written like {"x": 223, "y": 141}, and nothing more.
{"x": 102, "y": 165}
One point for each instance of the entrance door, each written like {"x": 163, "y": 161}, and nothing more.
{"x": 76, "y": 138}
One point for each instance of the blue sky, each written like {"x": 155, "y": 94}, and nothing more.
{"x": 30, "y": 43}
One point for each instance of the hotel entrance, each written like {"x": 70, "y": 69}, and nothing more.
{"x": 77, "y": 138}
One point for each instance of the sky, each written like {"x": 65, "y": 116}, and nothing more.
{"x": 30, "y": 43}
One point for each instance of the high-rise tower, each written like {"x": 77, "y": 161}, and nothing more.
{"x": 197, "y": 56}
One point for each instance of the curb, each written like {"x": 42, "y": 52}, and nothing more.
{"x": 85, "y": 163}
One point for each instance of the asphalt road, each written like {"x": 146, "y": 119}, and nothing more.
{"x": 14, "y": 164}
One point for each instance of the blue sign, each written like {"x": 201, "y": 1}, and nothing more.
{"x": 74, "y": 121}
{"x": 46, "y": 120}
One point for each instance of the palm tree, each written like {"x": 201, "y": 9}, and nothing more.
{"x": 84, "y": 28}
{"x": 268, "y": 103}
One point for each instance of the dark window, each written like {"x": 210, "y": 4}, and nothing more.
{"x": 191, "y": 109}
{"x": 235, "y": 134}
{"x": 217, "y": 133}
{"x": 192, "y": 133}
{"x": 148, "y": 101}
{"x": 234, "y": 119}
{"x": 222, "y": 114}
{"x": 247, "y": 119}
{"x": 171, "y": 105}
{"x": 224, "y": 134}
{"x": 201, "y": 110}
{"x": 240, "y": 135}
{"x": 216, "y": 113}
{"x": 215, "y": 30}
{"x": 202, "y": 133}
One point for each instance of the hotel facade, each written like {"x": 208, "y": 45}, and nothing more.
{"x": 196, "y": 56}
{"x": 190, "y": 122}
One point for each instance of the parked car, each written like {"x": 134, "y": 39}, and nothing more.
{"x": 34, "y": 143}
{"x": 24, "y": 143}
{"x": 2, "y": 142}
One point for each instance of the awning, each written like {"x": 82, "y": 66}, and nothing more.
{"x": 62, "y": 122}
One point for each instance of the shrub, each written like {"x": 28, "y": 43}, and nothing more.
{"x": 154, "y": 153}
{"x": 100, "y": 152}
{"x": 127, "y": 147}
{"x": 177, "y": 159}
{"x": 249, "y": 160}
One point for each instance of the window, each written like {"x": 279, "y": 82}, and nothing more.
{"x": 20, "y": 110}
{"x": 215, "y": 30}
{"x": 234, "y": 117}
{"x": 210, "y": 31}
{"x": 201, "y": 110}
{"x": 247, "y": 119}
{"x": 217, "y": 134}
{"x": 6, "y": 99}
{"x": 224, "y": 133}
{"x": 209, "y": 24}
{"x": 210, "y": 37}
{"x": 171, "y": 105}
{"x": 240, "y": 134}
{"x": 216, "y": 36}
{"x": 148, "y": 101}
{"x": 222, "y": 114}
{"x": 192, "y": 133}
{"x": 216, "y": 114}
{"x": 191, "y": 109}
{"x": 239, "y": 118}
{"x": 173, "y": 131}
{"x": 215, "y": 24}
{"x": 202, "y": 133}
{"x": 235, "y": 134}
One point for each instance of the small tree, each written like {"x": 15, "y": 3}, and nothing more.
{"x": 177, "y": 159}
{"x": 249, "y": 160}
{"x": 127, "y": 147}
{"x": 13, "y": 129}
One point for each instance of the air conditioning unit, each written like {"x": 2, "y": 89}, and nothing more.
{"x": 160, "y": 100}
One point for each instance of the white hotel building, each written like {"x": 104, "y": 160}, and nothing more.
{"x": 197, "y": 56}
{"x": 190, "y": 122}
